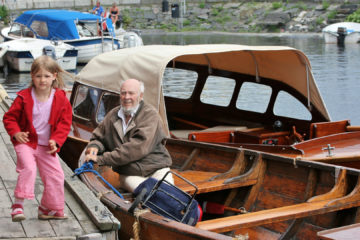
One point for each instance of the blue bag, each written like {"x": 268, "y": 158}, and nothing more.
{"x": 167, "y": 200}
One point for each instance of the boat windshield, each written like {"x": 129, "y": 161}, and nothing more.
{"x": 18, "y": 30}
{"x": 90, "y": 101}
{"x": 87, "y": 28}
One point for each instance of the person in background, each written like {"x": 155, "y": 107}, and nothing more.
{"x": 114, "y": 13}
{"x": 130, "y": 139}
{"x": 38, "y": 123}
{"x": 98, "y": 9}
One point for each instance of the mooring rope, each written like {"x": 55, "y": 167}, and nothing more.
{"x": 136, "y": 225}
{"x": 89, "y": 167}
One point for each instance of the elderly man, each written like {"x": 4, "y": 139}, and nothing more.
{"x": 131, "y": 139}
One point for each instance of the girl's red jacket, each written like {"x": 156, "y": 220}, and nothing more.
{"x": 19, "y": 118}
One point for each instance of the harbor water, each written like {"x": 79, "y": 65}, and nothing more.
{"x": 336, "y": 69}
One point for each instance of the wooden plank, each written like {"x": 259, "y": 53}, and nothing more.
{"x": 190, "y": 160}
{"x": 263, "y": 217}
{"x": 216, "y": 185}
{"x": 34, "y": 228}
{"x": 67, "y": 227}
{"x": 11, "y": 230}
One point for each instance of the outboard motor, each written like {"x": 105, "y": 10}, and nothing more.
{"x": 49, "y": 51}
{"x": 342, "y": 32}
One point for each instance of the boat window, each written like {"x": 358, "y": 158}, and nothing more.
{"x": 254, "y": 97}
{"x": 40, "y": 28}
{"x": 87, "y": 29}
{"x": 179, "y": 83}
{"x": 218, "y": 91}
{"x": 108, "y": 101}
{"x": 287, "y": 105}
{"x": 85, "y": 102}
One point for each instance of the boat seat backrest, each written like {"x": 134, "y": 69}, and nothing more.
{"x": 321, "y": 129}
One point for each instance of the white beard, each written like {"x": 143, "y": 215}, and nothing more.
{"x": 130, "y": 111}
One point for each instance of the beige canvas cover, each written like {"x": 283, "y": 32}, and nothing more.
{"x": 147, "y": 63}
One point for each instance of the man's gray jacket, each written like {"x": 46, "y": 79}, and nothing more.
{"x": 140, "y": 150}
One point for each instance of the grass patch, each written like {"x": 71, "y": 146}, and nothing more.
{"x": 319, "y": 20}
{"x": 325, "y": 4}
{"x": 277, "y": 5}
{"x": 332, "y": 14}
{"x": 354, "y": 17}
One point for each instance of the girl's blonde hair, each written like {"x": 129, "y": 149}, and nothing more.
{"x": 49, "y": 64}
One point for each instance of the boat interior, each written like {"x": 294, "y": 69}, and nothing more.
{"x": 261, "y": 194}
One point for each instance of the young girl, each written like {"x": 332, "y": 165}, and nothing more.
{"x": 38, "y": 123}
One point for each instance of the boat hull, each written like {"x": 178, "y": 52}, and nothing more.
{"x": 299, "y": 209}
{"x": 330, "y": 37}
{"x": 342, "y": 32}
{"x": 88, "y": 48}
{"x": 92, "y": 47}
{"x": 23, "y": 64}
{"x": 19, "y": 54}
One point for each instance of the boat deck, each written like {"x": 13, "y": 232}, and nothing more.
{"x": 88, "y": 217}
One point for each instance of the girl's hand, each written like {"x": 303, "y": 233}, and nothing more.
{"x": 22, "y": 137}
{"x": 53, "y": 147}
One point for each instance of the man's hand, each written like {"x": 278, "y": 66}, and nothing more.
{"x": 22, "y": 137}
{"x": 53, "y": 147}
{"x": 91, "y": 154}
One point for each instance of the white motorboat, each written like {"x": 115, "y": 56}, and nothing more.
{"x": 89, "y": 33}
{"x": 19, "y": 54}
{"x": 342, "y": 32}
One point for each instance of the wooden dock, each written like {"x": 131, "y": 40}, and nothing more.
{"x": 88, "y": 217}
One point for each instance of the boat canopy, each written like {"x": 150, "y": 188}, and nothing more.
{"x": 147, "y": 63}
{"x": 60, "y": 24}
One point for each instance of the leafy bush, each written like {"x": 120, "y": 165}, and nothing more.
{"x": 301, "y": 6}
{"x": 214, "y": 12}
{"x": 276, "y": 5}
{"x": 354, "y": 17}
{"x": 325, "y": 4}
{"x": 319, "y": 20}
{"x": 332, "y": 14}
{"x": 4, "y": 14}
{"x": 186, "y": 22}
{"x": 126, "y": 19}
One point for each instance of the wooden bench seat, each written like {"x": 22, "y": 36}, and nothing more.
{"x": 328, "y": 202}
{"x": 213, "y": 181}
{"x": 215, "y": 185}
{"x": 264, "y": 217}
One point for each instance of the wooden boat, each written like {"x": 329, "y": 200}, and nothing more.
{"x": 316, "y": 196}
{"x": 330, "y": 142}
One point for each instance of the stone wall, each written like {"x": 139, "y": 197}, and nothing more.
{"x": 84, "y": 4}
{"x": 212, "y": 15}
